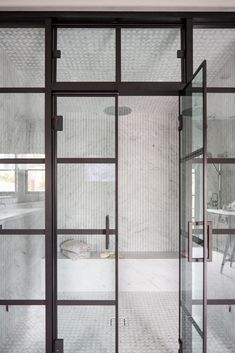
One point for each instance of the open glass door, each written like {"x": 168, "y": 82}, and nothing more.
{"x": 194, "y": 241}
{"x": 86, "y": 217}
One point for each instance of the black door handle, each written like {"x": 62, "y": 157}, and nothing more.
{"x": 107, "y": 232}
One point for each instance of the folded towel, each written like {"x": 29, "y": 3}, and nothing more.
{"x": 75, "y": 249}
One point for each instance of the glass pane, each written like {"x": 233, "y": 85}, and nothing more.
{"x": 150, "y": 54}
{"x": 86, "y": 195}
{"x": 87, "y": 329}
{"x": 197, "y": 342}
{"x": 20, "y": 208}
{"x": 221, "y": 276}
{"x": 197, "y": 240}
{"x": 22, "y": 57}
{"x": 221, "y": 323}
{"x": 7, "y": 180}
{"x": 221, "y": 124}
{"x": 148, "y": 242}
{"x": 192, "y": 116}
{"x": 88, "y": 127}
{"x": 87, "y": 54}
{"x": 22, "y": 125}
{"x": 216, "y": 45}
{"x": 36, "y": 180}
{"x": 192, "y": 335}
{"x": 192, "y": 193}
{"x": 191, "y": 272}
{"x": 22, "y": 329}
{"x": 86, "y": 269}
{"x": 22, "y": 266}
{"x": 221, "y": 195}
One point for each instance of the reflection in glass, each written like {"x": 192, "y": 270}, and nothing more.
{"x": 23, "y": 275}
{"x": 221, "y": 322}
{"x": 150, "y": 54}
{"x": 22, "y": 197}
{"x": 86, "y": 195}
{"x": 191, "y": 192}
{"x": 221, "y": 274}
{"x": 22, "y": 125}
{"x": 87, "y": 329}
{"x": 191, "y": 272}
{"x": 86, "y": 267}
{"x": 216, "y": 45}
{"x": 221, "y": 124}
{"x": 221, "y": 195}
{"x": 87, "y": 54}
{"x": 197, "y": 342}
{"x": 22, "y": 57}
{"x": 88, "y": 130}
{"x": 23, "y": 329}
{"x": 191, "y": 105}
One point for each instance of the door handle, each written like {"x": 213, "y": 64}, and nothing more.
{"x": 107, "y": 232}
{"x": 199, "y": 241}
{"x": 209, "y": 241}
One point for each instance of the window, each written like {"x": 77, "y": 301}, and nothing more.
{"x": 7, "y": 180}
{"x": 35, "y": 180}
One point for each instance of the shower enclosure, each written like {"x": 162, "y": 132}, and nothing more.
{"x": 92, "y": 237}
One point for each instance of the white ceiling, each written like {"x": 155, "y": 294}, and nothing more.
{"x": 119, "y": 5}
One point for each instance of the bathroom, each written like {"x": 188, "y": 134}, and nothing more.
{"x": 90, "y": 186}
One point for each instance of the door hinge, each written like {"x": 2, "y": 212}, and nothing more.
{"x": 59, "y": 345}
{"x": 180, "y": 122}
{"x": 57, "y": 123}
{"x": 180, "y": 54}
{"x": 56, "y": 54}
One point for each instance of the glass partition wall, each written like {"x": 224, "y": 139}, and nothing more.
{"x": 216, "y": 45}
{"x": 89, "y": 184}
{"x": 22, "y": 189}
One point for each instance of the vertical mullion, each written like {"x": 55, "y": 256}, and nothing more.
{"x": 49, "y": 184}
{"x": 116, "y": 227}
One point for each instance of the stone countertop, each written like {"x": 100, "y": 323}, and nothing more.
{"x": 7, "y": 214}
{"x": 221, "y": 212}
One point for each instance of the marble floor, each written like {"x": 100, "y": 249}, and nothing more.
{"x": 148, "y": 323}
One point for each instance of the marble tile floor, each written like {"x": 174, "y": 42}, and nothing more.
{"x": 148, "y": 323}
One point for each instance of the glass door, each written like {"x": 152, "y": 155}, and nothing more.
{"x": 194, "y": 230}
{"x": 86, "y": 217}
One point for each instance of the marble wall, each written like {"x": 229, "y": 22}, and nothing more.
{"x": 148, "y": 175}
{"x": 147, "y": 166}
{"x": 21, "y": 273}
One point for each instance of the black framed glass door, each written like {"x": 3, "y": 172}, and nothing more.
{"x": 85, "y": 249}
{"x": 195, "y": 242}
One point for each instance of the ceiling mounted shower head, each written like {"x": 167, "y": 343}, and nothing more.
{"x": 122, "y": 110}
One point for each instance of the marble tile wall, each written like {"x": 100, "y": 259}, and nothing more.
{"x": 148, "y": 175}
{"x": 22, "y": 123}
{"x": 148, "y": 172}
{"x": 21, "y": 273}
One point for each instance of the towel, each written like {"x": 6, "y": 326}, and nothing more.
{"x": 75, "y": 249}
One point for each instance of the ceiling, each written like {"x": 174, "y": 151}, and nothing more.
{"x": 120, "y": 5}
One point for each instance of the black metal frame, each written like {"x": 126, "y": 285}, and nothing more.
{"x": 50, "y": 21}
{"x": 58, "y": 231}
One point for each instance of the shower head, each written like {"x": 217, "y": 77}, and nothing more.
{"x": 122, "y": 110}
